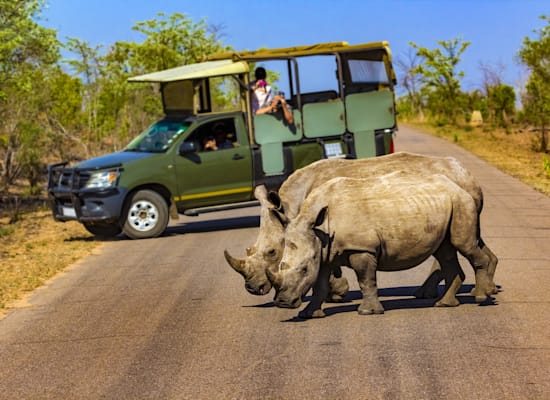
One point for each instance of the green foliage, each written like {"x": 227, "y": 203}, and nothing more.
{"x": 27, "y": 52}
{"x": 171, "y": 41}
{"x": 441, "y": 78}
{"x": 502, "y": 99}
{"x": 117, "y": 110}
{"x": 535, "y": 54}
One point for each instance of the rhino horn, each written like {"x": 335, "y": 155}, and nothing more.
{"x": 238, "y": 265}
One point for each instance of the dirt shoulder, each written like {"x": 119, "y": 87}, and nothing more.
{"x": 34, "y": 249}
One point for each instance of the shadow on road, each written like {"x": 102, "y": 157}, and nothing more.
{"x": 410, "y": 302}
{"x": 185, "y": 227}
{"x": 213, "y": 225}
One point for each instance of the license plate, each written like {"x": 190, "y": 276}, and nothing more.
{"x": 333, "y": 150}
{"x": 68, "y": 212}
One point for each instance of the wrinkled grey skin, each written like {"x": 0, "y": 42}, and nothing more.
{"x": 388, "y": 223}
{"x": 267, "y": 250}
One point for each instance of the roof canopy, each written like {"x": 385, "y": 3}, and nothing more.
{"x": 315, "y": 49}
{"x": 194, "y": 71}
{"x": 236, "y": 62}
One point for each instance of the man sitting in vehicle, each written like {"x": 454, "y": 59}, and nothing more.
{"x": 218, "y": 141}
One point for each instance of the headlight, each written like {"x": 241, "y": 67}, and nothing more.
{"x": 102, "y": 180}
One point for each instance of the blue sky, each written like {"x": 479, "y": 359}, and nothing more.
{"x": 495, "y": 28}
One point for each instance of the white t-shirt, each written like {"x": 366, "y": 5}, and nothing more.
{"x": 261, "y": 97}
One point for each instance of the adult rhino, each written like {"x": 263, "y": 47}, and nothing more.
{"x": 267, "y": 250}
{"x": 389, "y": 223}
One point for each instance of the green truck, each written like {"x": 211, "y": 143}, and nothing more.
{"x": 167, "y": 171}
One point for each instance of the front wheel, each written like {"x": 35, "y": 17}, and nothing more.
{"x": 147, "y": 215}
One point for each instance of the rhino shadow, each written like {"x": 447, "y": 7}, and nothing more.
{"x": 463, "y": 296}
{"x": 213, "y": 225}
{"x": 411, "y": 302}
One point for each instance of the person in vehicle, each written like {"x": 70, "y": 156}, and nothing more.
{"x": 263, "y": 100}
{"x": 218, "y": 141}
{"x": 209, "y": 143}
{"x": 262, "y": 93}
{"x": 279, "y": 104}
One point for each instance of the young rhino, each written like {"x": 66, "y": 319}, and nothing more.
{"x": 391, "y": 223}
{"x": 267, "y": 250}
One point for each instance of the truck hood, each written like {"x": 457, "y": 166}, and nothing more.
{"x": 121, "y": 157}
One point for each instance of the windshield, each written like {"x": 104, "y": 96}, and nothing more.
{"x": 158, "y": 137}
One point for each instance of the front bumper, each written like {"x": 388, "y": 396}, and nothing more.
{"x": 70, "y": 200}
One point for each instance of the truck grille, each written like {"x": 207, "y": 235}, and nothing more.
{"x": 62, "y": 179}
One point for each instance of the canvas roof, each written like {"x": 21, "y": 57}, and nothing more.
{"x": 194, "y": 71}
{"x": 296, "y": 51}
{"x": 236, "y": 62}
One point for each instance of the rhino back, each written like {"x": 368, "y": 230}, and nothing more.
{"x": 303, "y": 181}
{"x": 402, "y": 221}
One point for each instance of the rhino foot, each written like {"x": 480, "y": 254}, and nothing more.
{"x": 361, "y": 311}
{"x": 481, "y": 295}
{"x": 309, "y": 314}
{"x": 370, "y": 307}
{"x": 339, "y": 289}
{"x": 335, "y": 298}
{"x": 447, "y": 303}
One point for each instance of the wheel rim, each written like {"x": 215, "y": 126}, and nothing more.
{"x": 143, "y": 216}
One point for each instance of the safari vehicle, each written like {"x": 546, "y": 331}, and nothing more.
{"x": 165, "y": 171}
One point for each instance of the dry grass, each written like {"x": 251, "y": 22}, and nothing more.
{"x": 510, "y": 152}
{"x": 36, "y": 247}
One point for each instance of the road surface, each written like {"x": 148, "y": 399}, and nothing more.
{"x": 166, "y": 318}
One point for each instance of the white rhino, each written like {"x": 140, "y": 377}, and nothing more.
{"x": 388, "y": 223}
{"x": 267, "y": 250}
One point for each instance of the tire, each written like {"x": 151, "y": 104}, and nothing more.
{"x": 146, "y": 216}
{"x": 102, "y": 230}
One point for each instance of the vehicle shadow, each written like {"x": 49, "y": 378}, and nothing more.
{"x": 213, "y": 225}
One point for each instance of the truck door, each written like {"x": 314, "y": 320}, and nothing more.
{"x": 217, "y": 173}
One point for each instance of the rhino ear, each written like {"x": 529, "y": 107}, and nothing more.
{"x": 260, "y": 192}
{"x": 275, "y": 200}
{"x": 283, "y": 219}
{"x": 321, "y": 216}
{"x": 323, "y": 236}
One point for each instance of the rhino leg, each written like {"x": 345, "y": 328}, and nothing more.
{"x": 338, "y": 288}
{"x": 429, "y": 289}
{"x": 320, "y": 293}
{"x": 480, "y": 263}
{"x": 452, "y": 273}
{"x": 493, "y": 261}
{"x": 365, "y": 265}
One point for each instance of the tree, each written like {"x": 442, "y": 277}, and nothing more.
{"x": 171, "y": 41}
{"x": 87, "y": 66}
{"x": 26, "y": 48}
{"x": 535, "y": 54}
{"x": 440, "y": 77}
{"x": 118, "y": 110}
{"x": 411, "y": 82}
{"x": 502, "y": 99}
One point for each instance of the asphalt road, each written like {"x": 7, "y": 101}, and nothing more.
{"x": 166, "y": 318}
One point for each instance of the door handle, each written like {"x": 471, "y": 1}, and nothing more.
{"x": 237, "y": 156}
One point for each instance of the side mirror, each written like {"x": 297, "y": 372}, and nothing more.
{"x": 187, "y": 147}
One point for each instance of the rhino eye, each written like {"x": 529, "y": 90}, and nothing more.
{"x": 303, "y": 270}
{"x": 271, "y": 253}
